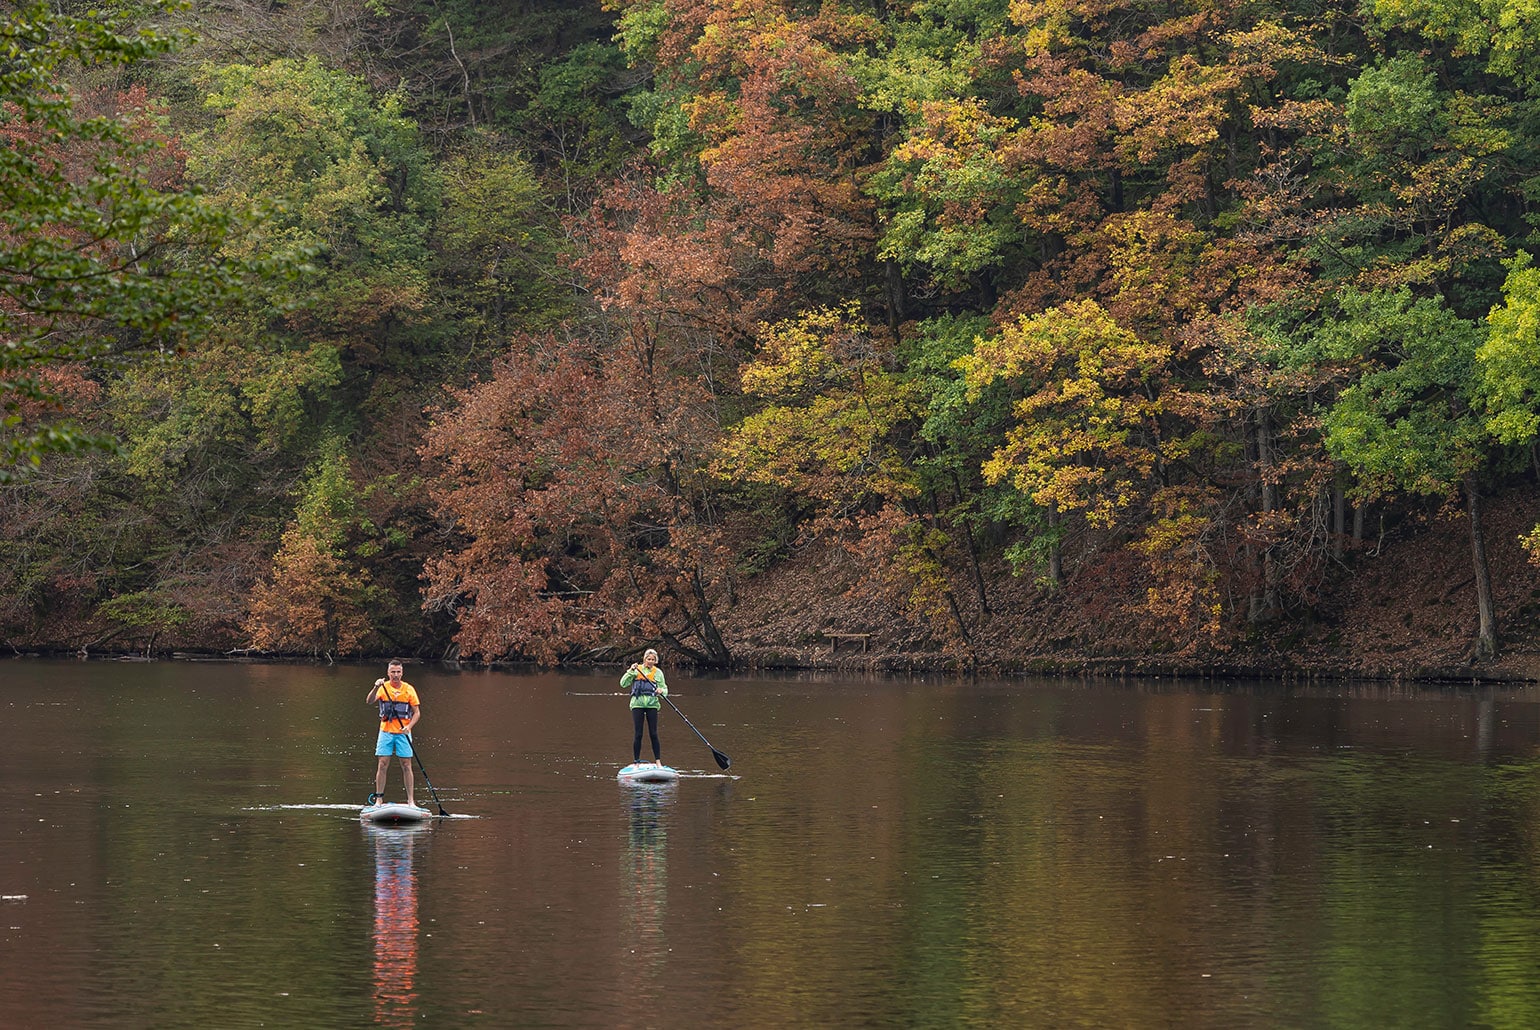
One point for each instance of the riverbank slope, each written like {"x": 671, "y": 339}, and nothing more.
{"x": 1403, "y": 606}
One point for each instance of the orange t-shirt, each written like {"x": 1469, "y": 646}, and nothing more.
{"x": 406, "y": 692}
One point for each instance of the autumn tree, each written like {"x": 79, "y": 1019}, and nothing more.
{"x": 578, "y": 527}
{"x": 831, "y": 431}
{"x": 757, "y": 110}
{"x": 1128, "y": 297}
{"x": 317, "y": 597}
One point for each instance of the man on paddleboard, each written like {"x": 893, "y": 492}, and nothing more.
{"x": 645, "y": 683}
{"x": 399, "y": 712}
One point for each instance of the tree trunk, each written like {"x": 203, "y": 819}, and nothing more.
{"x": 1264, "y": 604}
{"x": 1486, "y": 621}
{"x": 721, "y": 656}
{"x": 710, "y": 650}
{"x": 960, "y": 622}
{"x": 1055, "y": 552}
{"x": 979, "y": 586}
{"x": 973, "y": 552}
{"x": 894, "y": 280}
{"x": 1338, "y": 517}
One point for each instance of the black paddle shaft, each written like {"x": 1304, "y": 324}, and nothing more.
{"x": 722, "y": 760}
{"x": 413, "y": 745}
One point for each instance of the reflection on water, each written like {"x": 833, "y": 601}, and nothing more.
{"x": 644, "y": 890}
{"x": 395, "y": 922}
{"x": 1047, "y": 853}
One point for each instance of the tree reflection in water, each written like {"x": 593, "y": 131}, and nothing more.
{"x": 395, "y": 923}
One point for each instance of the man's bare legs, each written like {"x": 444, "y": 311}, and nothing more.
{"x": 406, "y": 778}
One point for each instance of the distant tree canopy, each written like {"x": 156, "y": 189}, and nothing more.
{"x": 103, "y": 251}
{"x": 536, "y": 331}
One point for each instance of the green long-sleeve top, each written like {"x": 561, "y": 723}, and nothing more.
{"x": 645, "y": 700}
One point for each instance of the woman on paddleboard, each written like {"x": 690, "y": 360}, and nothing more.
{"x": 399, "y": 712}
{"x": 645, "y": 683}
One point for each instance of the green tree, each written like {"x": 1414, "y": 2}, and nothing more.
{"x": 216, "y": 440}
{"x": 1509, "y": 362}
{"x": 951, "y": 194}
{"x": 1503, "y": 31}
{"x": 1510, "y": 356}
{"x": 1412, "y": 422}
{"x": 957, "y": 436}
{"x": 576, "y": 131}
{"x": 104, "y": 254}
{"x": 496, "y": 266}
{"x": 340, "y": 173}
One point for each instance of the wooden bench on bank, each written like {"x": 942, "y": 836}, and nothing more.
{"x": 836, "y": 639}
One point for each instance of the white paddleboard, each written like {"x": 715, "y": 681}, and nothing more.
{"x": 394, "y": 813}
{"x": 647, "y": 772}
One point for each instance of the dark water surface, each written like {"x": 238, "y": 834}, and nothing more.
{"x": 179, "y": 847}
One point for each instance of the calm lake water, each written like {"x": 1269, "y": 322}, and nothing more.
{"x": 180, "y": 847}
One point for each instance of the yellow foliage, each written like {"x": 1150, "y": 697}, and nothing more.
{"x": 1082, "y": 440}
{"x": 799, "y": 354}
{"x": 827, "y": 433}
{"x": 1184, "y": 599}
{"x": 1531, "y": 542}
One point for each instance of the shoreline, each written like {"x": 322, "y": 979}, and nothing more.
{"x": 887, "y": 665}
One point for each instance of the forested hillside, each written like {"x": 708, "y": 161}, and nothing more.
{"x": 998, "y": 334}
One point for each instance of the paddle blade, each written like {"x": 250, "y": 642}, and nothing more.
{"x": 722, "y": 760}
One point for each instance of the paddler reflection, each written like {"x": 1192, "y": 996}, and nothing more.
{"x": 395, "y": 923}
{"x": 645, "y": 882}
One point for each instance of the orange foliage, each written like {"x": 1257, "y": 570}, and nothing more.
{"x": 313, "y": 603}
{"x": 780, "y": 157}
{"x": 575, "y": 521}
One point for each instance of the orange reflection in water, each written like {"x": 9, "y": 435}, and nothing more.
{"x": 395, "y": 925}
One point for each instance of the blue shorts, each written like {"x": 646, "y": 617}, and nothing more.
{"x": 399, "y": 744}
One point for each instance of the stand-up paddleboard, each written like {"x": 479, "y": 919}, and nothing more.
{"x": 647, "y": 772}
{"x": 394, "y": 814}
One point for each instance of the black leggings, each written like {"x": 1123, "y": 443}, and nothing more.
{"x": 651, "y": 715}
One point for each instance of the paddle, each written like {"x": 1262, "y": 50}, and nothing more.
{"x": 412, "y": 744}
{"x": 722, "y": 760}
